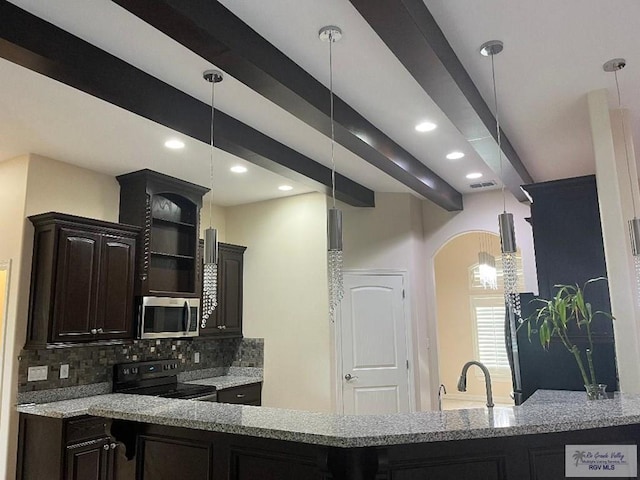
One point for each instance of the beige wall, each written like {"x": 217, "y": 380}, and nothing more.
{"x": 285, "y": 296}
{"x": 13, "y": 187}
{"x": 34, "y": 184}
{"x": 218, "y": 219}
{"x": 456, "y": 340}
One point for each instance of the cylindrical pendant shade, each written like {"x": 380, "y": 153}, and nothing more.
{"x": 334, "y": 229}
{"x": 507, "y": 233}
{"x": 634, "y": 234}
{"x": 210, "y": 246}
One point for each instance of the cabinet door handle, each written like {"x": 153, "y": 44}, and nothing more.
{"x": 219, "y": 327}
{"x": 105, "y": 446}
{"x": 100, "y": 330}
{"x": 113, "y": 446}
{"x": 94, "y": 331}
{"x": 224, "y": 327}
{"x": 240, "y": 395}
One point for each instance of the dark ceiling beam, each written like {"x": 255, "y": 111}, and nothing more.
{"x": 412, "y": 34}
{"x": 44, "y": 48}
{"x": 210, "y": 30}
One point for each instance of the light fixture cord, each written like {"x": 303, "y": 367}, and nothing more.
{"x": 333, "y": 162}
{"x": 626, "y": 149}
{"x": 495, "y": 102}
{"x": 213, "y": 98}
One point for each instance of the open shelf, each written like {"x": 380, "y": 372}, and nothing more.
{"x": 170, "y": 273}
{"x": 173, "y": 208}
{"x": 158, "y": 220}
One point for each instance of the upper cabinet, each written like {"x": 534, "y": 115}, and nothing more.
{"x": 168, "y": 210}
{"x": 82, "y": 280}
{"x": 226, "y": 320}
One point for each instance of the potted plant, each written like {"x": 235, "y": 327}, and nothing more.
{"x": 553, "y": 319}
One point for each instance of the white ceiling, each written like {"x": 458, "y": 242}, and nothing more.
{"x": 553, "y": 56}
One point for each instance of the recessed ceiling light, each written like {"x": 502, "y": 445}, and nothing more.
{"x": 285, "y": 188}
{"x": 174, "y": 144}
{"x": 426, "y": 126}
{"x": 455, "y": 155}
{"x": 238, "y": 169}
{"x": 474, "y": 175}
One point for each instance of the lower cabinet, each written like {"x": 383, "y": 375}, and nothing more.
{"x": 78, "y": 448}
{"x": 246, "y": 394}
{"x": 90, "y": 460}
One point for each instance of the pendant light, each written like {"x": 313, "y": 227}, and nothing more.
{"x": 487, "y": 272}
{"x": 505, "y": 219}
{"x": 331, "y": 34}
{"x": 614, "y": 66}
{"x": 210, "y": 276}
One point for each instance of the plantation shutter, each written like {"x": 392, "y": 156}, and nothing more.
{"x": 489, "y": 317}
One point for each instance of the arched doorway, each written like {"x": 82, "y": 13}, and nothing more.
{"x": 470, "y": 320}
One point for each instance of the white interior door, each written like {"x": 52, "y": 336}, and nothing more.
{"x": 375, "y": 376}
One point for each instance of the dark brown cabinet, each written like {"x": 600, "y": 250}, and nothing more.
{"x": 91, "y": 460}
{"x": 245, "y": 394}
{"x": 82, "y": 280}
{"x": 78, "y": 448}
{"x": 168, "y": 210}
{"x": 227, "y": 318}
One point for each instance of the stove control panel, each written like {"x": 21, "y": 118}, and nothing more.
{"x": 130, "y": 372}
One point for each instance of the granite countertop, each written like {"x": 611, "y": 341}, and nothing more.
{"x": 540, "y": 415}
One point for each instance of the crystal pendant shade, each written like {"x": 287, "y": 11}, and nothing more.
{"x": 634, "y": 235}
{"x": 210, "y": 275}
{"x": 334, "y": 240}
{"x": 487, "y": 270}
{"x": 509, "y": 264}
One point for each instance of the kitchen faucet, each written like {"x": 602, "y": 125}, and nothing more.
{"x": 441, "y": 390}
{"x": 462, "y": 383}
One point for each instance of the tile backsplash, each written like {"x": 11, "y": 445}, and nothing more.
{"x": 93, "y": 364}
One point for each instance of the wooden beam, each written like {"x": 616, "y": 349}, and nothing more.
{"x": 412, "y": 34}
{"x": 44, "y": 48}
{"x": 209, "y": 29}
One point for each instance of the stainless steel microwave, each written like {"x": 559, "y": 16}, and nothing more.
{"x": 165, "y": 317}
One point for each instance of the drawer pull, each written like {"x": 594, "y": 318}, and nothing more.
{"x": 113, "y": 446}
{"x": 106, "y": 447}
{"x": 240, "y": 395}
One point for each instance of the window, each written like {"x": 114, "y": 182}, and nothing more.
{"x": 489, "y": 316}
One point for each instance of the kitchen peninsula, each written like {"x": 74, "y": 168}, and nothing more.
{"x": 168, "y": 438}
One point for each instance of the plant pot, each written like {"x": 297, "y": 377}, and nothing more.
{"x": 596, "y": 392}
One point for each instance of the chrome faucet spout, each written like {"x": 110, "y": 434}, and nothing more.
{"x": 462, "y": 383}
{"x": 441, "y": 390}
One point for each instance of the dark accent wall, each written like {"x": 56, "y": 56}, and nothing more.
{"x": 93, "y": 364}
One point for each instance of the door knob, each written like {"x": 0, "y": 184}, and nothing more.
{"x": 348, "y": 377}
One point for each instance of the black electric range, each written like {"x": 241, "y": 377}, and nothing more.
{"x": 158, "y": 378}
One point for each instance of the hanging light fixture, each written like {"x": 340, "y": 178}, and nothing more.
{"x": 505, "y": 219}
{"x": 487, "y": 264}
{"x": 614, "y": 66}
{"x": 332, "y": 34}
{"x": 210, "y": 276}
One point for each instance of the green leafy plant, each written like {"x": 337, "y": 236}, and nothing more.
{"x": 553, "y": 318}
